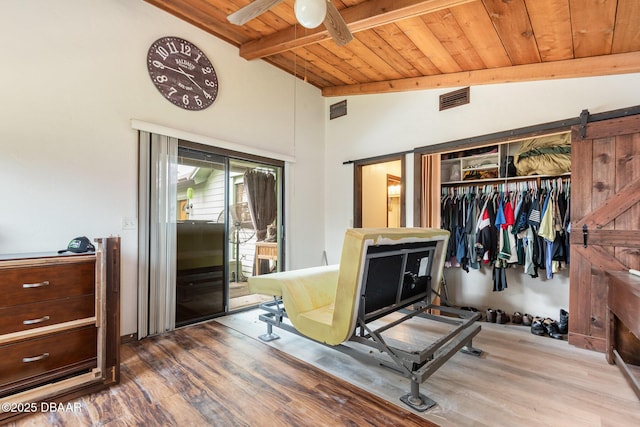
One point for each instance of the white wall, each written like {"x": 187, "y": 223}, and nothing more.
{"x": 74, "y": 76}
{"x": 390, "y": 123}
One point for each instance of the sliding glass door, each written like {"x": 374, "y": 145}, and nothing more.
{"x": 209, "y": 219}
{"x": 200, "y": 242}
{"x": 254, "y": 231}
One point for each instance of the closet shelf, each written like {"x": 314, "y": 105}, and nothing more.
{"x": 503, "y": 180}
{"x": 475, "y": 168}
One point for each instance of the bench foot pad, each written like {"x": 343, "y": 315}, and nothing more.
{"x": 269, "y": 337}
{"x": 420, "y": 403}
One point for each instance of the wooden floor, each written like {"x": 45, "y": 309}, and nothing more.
{"x": 521, "y": 379}
{"x": 219, "y": 374}
{"x": 210, "y": 374}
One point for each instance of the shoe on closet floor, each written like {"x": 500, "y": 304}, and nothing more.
{"x": 491, "y": 315}
{"x": 527, "y": 319}
{"x": 551, "y": 327}
{"x": 517, "y": 318}
{"x": 502, "y": 317}
{"x": 563, "y": 323}
{"x": 537, "y": 328}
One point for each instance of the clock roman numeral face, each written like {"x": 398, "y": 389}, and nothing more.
{"x": 182, "y": 73}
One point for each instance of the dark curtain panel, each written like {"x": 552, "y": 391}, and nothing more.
{"x": 261, "y": 192}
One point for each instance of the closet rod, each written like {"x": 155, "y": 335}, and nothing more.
{"x": 531, "y": 184}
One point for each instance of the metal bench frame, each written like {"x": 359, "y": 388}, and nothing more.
{"x": 415, "y": 364}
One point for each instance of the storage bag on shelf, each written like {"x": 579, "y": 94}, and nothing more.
{"x": 547, "y": 155}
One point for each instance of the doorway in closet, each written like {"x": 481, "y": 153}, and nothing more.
{"x": 379, "y": 193}
{"x": 212, "y": 219}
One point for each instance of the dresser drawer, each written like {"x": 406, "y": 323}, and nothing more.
{"x": 47, "y": 357}
{"x": 37, "y": 314}
{"x": 21, "y": 285}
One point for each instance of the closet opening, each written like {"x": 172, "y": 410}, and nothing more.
{"x": 483, "y": 191}
{"x": 598, "y": 224}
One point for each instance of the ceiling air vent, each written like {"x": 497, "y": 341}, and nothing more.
{"x": 454, "y": 99}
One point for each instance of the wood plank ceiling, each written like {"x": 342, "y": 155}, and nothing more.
{"x": 402, "y": 45}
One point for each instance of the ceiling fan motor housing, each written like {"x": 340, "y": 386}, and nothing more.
{"x": 310, "y": 13}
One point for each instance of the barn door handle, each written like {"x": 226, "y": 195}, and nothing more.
{"x": 585, "y": 234}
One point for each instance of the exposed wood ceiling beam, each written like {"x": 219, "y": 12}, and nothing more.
{"x": 226, "y": 32}
{"x": 361, "y": 17}
{"x": 622, "y": 63}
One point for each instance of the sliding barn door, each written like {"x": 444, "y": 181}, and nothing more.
{"x": 605, "y": 220}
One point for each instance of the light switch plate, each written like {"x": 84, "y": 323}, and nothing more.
{"x": 129, "y": 223}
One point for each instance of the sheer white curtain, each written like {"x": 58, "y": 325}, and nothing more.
{"x": 158, "y": 155}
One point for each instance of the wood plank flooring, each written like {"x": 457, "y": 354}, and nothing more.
{"x": 520, "y": 379}
{"x": 220, "y": 374}
{"x": 209, "y": 374}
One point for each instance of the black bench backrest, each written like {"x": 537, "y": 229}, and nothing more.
{"x": 395, "y": 276}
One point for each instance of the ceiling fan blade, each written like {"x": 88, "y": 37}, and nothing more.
{"x": 336, "y": 26}
{"x": 250, "y": 11}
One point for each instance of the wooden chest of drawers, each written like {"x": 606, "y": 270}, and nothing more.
{"x": 59, "y": 324}
{"x": 37, "y": 314}
{"x": 34, "y": 361}
{"x": 58, "y": 277}
{"x": 60, "y": 290}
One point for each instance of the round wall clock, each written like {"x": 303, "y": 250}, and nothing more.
{"x": 182, "y": 73}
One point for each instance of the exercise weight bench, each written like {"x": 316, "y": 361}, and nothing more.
{"x": 384, "y": 279}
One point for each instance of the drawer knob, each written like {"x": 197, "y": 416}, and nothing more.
{"x": 34, "y": 321}
{"x": 35, "y": 285}
{"x": 35, "y": 358}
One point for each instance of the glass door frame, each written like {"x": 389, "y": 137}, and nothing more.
{"x": 236, "y": 156}
{"x": 201, "y": 273}
{"x": 156, "y": 301}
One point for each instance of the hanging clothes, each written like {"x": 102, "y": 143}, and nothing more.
{"x": 530, "y": 266}
{"x": 504, "y": 225}
{"x": 453, "y": 219}
{"x": 566, "y": 225}
{"x": 486, "y": 233}
{"x": 499, "y": 275}
{"x": 461, "y": 248}
{"x": 548, "y": 232}
{"x": 509, "y": 237}
{"x": 560, "y": 244}
{"x": 470, "y": 230}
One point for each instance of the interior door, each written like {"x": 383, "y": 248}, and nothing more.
{"x": 605, "y": 220}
